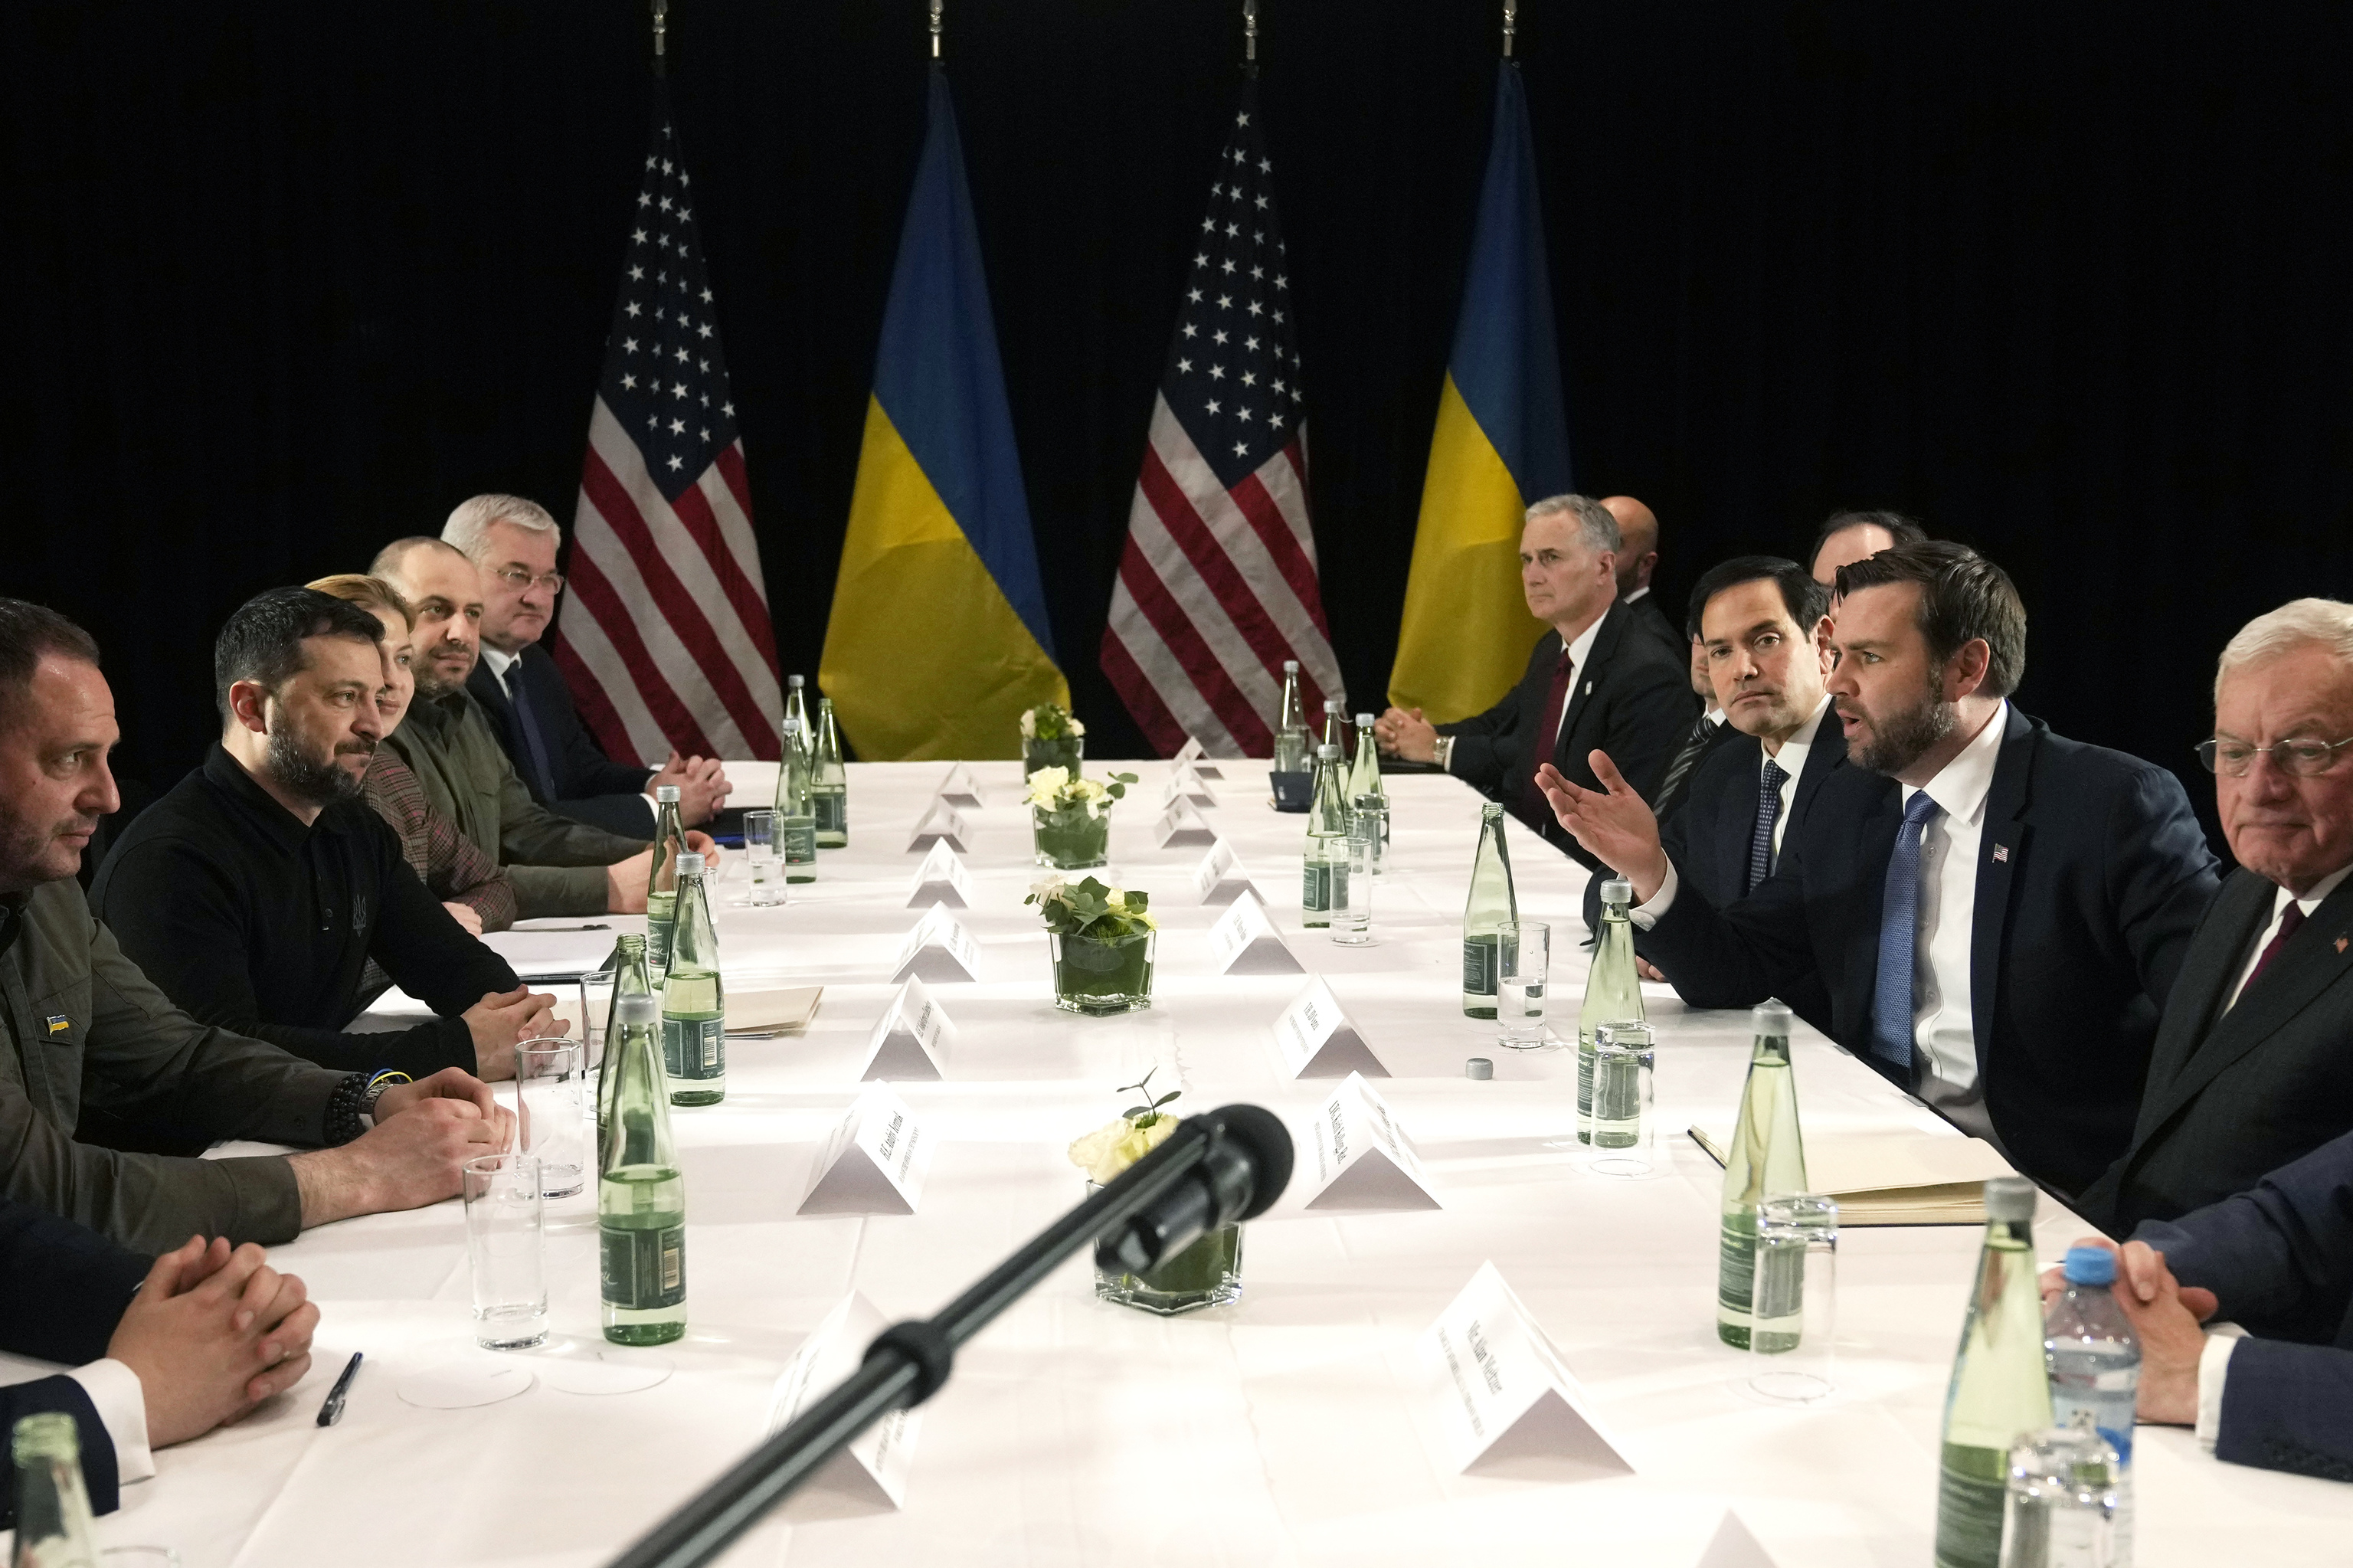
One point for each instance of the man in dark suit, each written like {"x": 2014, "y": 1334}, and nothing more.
{"x": 1849, "y": 537}
{"x": 2252, "y": 1069}
{"x": 1760, "y": 616}
{"x": 1593, "y": 681}
{"x": 514, "y": 542}
{"x": 1704, "y": 733}
{"x": 1637, "y": 559}
{"x": 2277, "y": 1262}
{"x": 158, "y": 1354}
{"x": 1996, "y": 913}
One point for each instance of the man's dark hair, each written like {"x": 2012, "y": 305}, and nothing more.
{"x": 30, "y": 633}
{"x": 1901, "y": 529}
{"x": 1806, "y": 599}
{"x": 1962, "y": 596}
{"x": 263, "y": 640}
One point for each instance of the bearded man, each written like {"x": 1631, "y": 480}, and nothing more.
{"x": 1994, "y": 913}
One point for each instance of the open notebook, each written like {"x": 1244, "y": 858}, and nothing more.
{"x": 1894, "y": 1177}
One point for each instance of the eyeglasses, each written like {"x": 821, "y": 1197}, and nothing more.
{"x": 2234, "y": 758}
{"x": 516, "y": 578}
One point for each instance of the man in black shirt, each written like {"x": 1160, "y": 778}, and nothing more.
{"x": 254, "y": 892}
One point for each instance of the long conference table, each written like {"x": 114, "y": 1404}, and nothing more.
{"x": 1299, "y": 1426}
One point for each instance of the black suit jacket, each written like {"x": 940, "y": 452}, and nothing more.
{"x": 1650, "y": 617}
{"x": 1671, "y": 796}
{"x": 589, "y": 786}
{"x": 2233, "y": 1095}
{"x": 63, "y": 1287}
{"x": 2280, "y": 1260}
{"x": 1630, "y": 700}
{"x": 2092, "y": 873}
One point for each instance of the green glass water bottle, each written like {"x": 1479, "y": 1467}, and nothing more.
{"x": 1613, "y": 991}
{"x": 2001, "y": 1383}
{"x": 1491, "y": 907}
{"x": 693, "y": 1005}
{"x": 795, "y": 824}
{"x": 1767, "y": 1160}
{"x": 661, "y": 881}
{"x": 1365, "y": 776}
{"x": 830, "y": 786}
{"x": 631, "y": 977}
{"x": 53, "y": 1520}
{"x": 1324, "y": 870}
{"x": 641, "y": 1194}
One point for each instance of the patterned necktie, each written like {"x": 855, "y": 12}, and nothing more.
{"x": 1687, "y": 755}
{"x": 1555, "y": 705}
{"x": 2290, "y": 920}
{"x": 1769, "y": 812}
{"x": 1899, "y": 927}
{"x": 543, "y": 780}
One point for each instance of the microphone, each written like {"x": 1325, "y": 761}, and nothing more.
{"x": 1240, "y": 1157}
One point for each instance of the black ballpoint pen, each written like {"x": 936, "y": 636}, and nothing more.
{"x": 333, "y": 1411}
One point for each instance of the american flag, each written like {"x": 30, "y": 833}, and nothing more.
{"x": 666, "y": 639}
{"x": 1217, "y": 586}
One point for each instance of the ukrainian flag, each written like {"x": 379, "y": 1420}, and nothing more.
{"x": 1502, "y": 444}
{"x": 938, "y": 637}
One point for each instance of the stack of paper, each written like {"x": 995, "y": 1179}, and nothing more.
{"x": 771, "y": 1012}
{"x": 1892, "y": 1179}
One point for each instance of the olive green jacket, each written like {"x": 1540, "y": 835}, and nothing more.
{"x": 558, "y": 863}
{"x": 86, "y": 1030}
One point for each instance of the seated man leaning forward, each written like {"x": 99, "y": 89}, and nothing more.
{"x": 256, "y": 891}
{"x": 2244, "y": 1310}
{"x": 86, "y": 1030}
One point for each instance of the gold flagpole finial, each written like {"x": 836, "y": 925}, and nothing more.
{"x": 1249, "y": 32}
{"x": 1510, "y": 24}
{"x": 661, "y": 34}
{"x": 935, "y": 28}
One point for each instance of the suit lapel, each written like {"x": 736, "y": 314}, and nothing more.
{"x": 1581, "y": 680}
{"x": 1824, "y": 757}
{"x": 1875, "y": 844}
{"x": 2002, "y": 846}
{"x": 2216, "y": 949}
{"x": 2314, "y": 959}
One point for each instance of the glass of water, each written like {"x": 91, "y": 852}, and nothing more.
{"x": 1792, "y": 1337}
{"x": 551, "y": 1112}
{"x": 1524, "y": 954}
{"x": 1352, "y": 920}
{"x": 506, "y": 1227}
{"x": 1624, "y": 1126}
{"x": 2062, "y": 1509}
{"x": 760, "y": 853}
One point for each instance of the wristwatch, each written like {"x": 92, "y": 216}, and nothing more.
{"x": 377, "y": 1085}
{"x": 1446, "y": 753}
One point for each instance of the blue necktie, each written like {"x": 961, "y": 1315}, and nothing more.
{"x": 543, "y": 779}
{"x": 1769, "y": 812}
{"x": 1899, "y": 928}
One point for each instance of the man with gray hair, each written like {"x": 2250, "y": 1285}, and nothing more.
{"x": 2251, "y": 1071}
{"x": 514, "y": 541}
{"x": 1594, "y": 681}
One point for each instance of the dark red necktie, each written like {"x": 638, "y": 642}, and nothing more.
{"x": 2289, "y": 922}
{"x": 1555, "y": 705}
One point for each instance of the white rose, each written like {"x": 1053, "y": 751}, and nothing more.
{"x": 1046, "y": 784}
{"x": 1103, "y": 1153}
{"x": 1048, "y": 889}
{"x": 1077, "y": 728}
{"x": 1029, "y": 723}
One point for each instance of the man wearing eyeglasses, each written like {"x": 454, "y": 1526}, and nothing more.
{"x": 514, "y": 541}
{"x": 2252, "y": 1069}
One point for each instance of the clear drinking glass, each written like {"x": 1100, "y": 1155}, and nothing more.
{"x": 506, "y": 1228}
{"x": 1794, "y": 1312}
{"x": 760, "y": 854}
{"x": 1374, "y": 812}
{"x": 595, "y": 1000}
{"x": 1352, "y": 922}
{"x": 1524, "y": 957}
{"x": 1625, "y": 1129}
{"x": 2061, "y": 1509}
{"x": 552, "y": 1110}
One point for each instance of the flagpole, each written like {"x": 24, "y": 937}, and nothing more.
{"x": 1510, "y": 24}
{"x": 1250, "y": 38}
{"x": 661, "y": 37}
{"x": 935, "y": 28}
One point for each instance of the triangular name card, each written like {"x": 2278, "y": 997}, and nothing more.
{"x": 941, "y": 879}
{"x": 873, "y": 1162}
{"x": 1318, "y": 1040}
{"x": 912, "y": 1037}
{"x": 1182, "y": 826}
{"x": 938, "y": 948}
{"x": 1244, "y": 942}
{"x": 1734, "y": 1547}
{"x": 1507, "y": 1403}
{"x": 1363, "y": 1158}
{"x": 1183, "y": 783}
{"x": 1219, "y": 878}
{"x": 940, "y": 824}
{"x": 1190, "y": 755}
{"x": 874, "y": 1466}
{"x": 960, "y": 788}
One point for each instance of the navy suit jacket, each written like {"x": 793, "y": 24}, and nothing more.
{"x": 1631, "y": 700}
{"x": 63, "y": 1287}
{"x": 2092, "y": 873}
{"x": 1672, "y": 798}
{"x": 1651, "y": 618}
{"x": 2232, "y": 1095}
{"x": 2280, "y": 1260}
{"x": 589, "y": 786}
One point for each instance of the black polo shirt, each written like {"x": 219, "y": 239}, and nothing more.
{"x": 250, "y": 920}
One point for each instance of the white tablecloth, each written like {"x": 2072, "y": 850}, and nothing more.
{"x": 1291, "y": 1428}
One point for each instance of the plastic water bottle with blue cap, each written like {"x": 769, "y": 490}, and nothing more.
{"x": 2094, "y": 1361}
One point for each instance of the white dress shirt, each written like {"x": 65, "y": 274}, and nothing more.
{"x": 2213, "y": 1372}
{"x": 1791, "y": 760}
{"x": 1944, "y": 1035}
{"x": 2280, "y": 901}
{"x": 500, "y": 663}
{"x": 122, "y": 1404}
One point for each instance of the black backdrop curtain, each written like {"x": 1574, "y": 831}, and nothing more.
{"x": 284, "y": 281}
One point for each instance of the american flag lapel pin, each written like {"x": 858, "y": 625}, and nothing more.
{"x": 2001, "y": 852}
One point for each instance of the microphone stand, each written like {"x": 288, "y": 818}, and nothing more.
{"x": 1204, "y": 1175}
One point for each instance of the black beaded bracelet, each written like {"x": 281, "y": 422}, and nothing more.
{"x": 344, "y": 1109}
